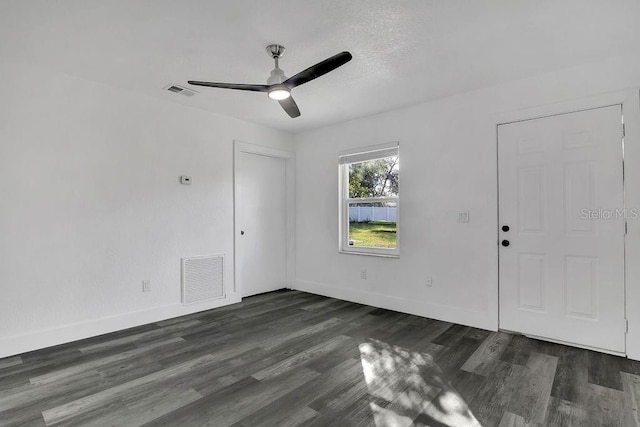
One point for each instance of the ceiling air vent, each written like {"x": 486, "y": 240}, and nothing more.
{"x": 181, "y": 90}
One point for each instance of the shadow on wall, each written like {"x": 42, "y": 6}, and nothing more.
{"x": 408, "y": 387}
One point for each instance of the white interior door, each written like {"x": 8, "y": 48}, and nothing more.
{"x": 261, "y": 201}
{"x": 561, "y": 195}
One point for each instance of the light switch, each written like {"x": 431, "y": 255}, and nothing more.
{"x": 463, "y": 216}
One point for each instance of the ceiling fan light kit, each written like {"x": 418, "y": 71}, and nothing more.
{"x": 278, "y": 85}
{"x": 279, "y": 93}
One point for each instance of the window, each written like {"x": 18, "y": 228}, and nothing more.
{"x": 369, "y": 201}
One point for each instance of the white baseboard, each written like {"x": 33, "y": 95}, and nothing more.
{"x": 477, "y": 319}
{"x": 10, "y": 346}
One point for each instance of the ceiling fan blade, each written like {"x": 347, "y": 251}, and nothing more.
{"x": 318, "y": 70}
{"x": 290, "y": 107}
{"x": 253, "y": 88}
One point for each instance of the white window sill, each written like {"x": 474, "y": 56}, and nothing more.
{"x": 370, "y": 254}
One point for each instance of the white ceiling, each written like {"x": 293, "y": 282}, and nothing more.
{"x": 404, "y": 51}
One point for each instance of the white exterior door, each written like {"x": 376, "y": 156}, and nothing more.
{"x": 261, "y": 201}
{"x": 561, "y": 197}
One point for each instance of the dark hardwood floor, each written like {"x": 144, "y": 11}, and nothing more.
{"x": 291, "y": 358}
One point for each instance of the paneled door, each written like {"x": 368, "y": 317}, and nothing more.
{"x": 562, "y": 227}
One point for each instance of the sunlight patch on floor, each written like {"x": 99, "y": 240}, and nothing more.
{"x": 405, "y": 386}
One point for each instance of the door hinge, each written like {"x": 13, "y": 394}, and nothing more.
{"x": 626, "y": 228}
{"x": 624, "y": 131}
{"x": 626, "y": 326}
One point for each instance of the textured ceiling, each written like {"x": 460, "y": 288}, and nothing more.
{"x": 404, "y": 52}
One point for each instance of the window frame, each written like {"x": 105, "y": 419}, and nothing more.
{"x": 361, "y": 155}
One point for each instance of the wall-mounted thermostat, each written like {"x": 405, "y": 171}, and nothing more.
{"x": 186, "y": 180}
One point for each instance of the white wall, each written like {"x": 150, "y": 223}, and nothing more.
{"x": 448, "y": 164}
{"x": 90, "y": 204}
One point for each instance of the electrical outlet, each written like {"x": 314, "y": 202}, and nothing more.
{"x": 146, "y": 286}
{"x": 363, "y": 274}
{"x": 429, "y": 281}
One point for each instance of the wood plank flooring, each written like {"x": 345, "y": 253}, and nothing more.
{"x": 289, "y": 358}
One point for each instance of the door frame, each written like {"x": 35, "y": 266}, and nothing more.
{"x": 630, "y": 101}
{"x": 240, "y": 147}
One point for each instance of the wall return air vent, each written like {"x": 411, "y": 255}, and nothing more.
{"x": 181, "y": 90}
{"x": 202, "y": 278}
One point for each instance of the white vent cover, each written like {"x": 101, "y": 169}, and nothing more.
{"x": 202, "y": 278}
{"x": 181, "y": 90}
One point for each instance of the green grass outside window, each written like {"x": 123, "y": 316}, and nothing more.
{"x": 373, "y": 234}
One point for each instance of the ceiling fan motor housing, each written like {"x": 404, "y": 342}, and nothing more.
{"x": 277, "y": 77}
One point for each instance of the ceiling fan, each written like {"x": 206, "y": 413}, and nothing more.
{"x": 278, "y": 86}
